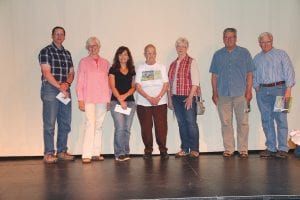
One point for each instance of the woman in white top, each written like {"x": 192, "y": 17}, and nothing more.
{"x": 152, "y": 85}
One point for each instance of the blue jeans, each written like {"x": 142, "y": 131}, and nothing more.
{"x": 55, "y": 111}
{"x": 187, "y": 122}
{"x": 265, "y": 98}
{"x": 122, "y": 125}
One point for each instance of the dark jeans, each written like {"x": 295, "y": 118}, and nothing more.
{"x": 157, "y": 114}
{"x": 187, "y": 122}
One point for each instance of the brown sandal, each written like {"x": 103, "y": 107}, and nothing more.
{"x": 227, "y": 154}
{"x": 97, "y": 158}
{"x": 244, "y": 154}
{"x": 86, "y": 160}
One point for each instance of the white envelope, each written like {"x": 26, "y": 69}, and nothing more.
{"x": 61, "y": 98}
{"x": 119, "y": 109}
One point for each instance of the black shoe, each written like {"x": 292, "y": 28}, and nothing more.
{"x": 267, "y": 154}
{"x": 147, "y": 156}
{"x": 281, "y": 154}
{"x": 164, "y": 156}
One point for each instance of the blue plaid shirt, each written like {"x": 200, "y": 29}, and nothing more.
{"x": 60, "y": 61}
{"x": 273, "y": 66}
{"x": 231, "y": 69}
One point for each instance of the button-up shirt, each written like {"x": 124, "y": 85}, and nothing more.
{"x": 59, "y": 59}
{"x": 92, "y": 80}
{"x": 273, "y": 66}
{"x": 231, "y": 69}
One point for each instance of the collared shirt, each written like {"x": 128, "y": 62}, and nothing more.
{"x": 92, "y": 80}
{"x": 231, "y": 69}
{"x": 183, "y": 75}
{"x": 195, "y": 77}
{"x": 60, "y": 61}
{"x": 273, "y": 66}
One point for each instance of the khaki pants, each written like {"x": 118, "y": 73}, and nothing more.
{"x": 226, "y": 106}
{"x": 94, "y": 117}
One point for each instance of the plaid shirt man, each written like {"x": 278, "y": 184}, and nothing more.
{"x": 60, "y": 61}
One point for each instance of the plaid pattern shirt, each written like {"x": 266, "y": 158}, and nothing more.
{"x": 184, "y": 81}
{"x": 60, "y": 61}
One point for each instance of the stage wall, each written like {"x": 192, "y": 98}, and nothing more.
{"x": 26, "y": 28}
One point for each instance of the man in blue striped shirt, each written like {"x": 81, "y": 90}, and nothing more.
{"x": 231, "y": 69}
{"x": 273, "y": 76}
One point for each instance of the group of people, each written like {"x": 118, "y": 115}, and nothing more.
{"x": 102, "y": 87}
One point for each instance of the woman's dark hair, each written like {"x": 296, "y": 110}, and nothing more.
{"x": 116, "y": 63}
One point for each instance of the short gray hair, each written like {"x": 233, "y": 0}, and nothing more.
{"x": 89, "y": 41}
{"x": 149, "y": 46}
{"x": 268, "y": 34}
{"x": 182, "y": 40}
{"x": 231, "y": 30}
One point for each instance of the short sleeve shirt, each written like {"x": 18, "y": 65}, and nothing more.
{"x": 60, "y": 61}
{"x": 151, "y": 78}
{"x": 123, "y": 83}
{"x": 231, "y": 69}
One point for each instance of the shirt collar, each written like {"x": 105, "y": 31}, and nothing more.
{"x": 54, "y": 46}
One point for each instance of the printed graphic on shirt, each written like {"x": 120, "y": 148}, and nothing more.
{"x": 151, "y": 75}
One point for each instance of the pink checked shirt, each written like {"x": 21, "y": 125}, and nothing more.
{"x": 92, "y": 80}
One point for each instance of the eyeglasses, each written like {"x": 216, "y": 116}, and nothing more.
{"x": 93, "y": 46}
{"x": 181, "y": 46}
{"x": 266, "y": 42}
{"x": 229, "y": 37}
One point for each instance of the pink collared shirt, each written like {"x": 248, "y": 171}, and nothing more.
{"x": 92, "y": 80}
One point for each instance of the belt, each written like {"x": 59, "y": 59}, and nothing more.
{"x": 272, "y": 84}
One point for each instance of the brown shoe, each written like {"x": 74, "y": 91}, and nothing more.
{"x": 267, "y": 154}
{"x": 65, "y": 156}
{"x": 227, "y": 154}
{"x": 281, "y": 154}
{"x": 97, "y": 158}
{"x": 181, "y": 154}
{"x": 86, "y": 160}
{"x": 194, "y": 154}
{"x": 50, "y": 158}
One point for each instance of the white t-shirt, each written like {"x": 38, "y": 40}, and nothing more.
{"x": 151, "y": 78}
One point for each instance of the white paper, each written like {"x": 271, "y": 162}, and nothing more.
{"x": 61, "y": 97}
{"x": 295, "y": 136}
{"x": 119, "y": 109}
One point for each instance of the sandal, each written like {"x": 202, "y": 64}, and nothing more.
{"x": 194, "y": 154}
{"x": 97, "y": 158}
{"x": 227, "y": 154}
{"x": 86, "y": 160}
{"x": 50, "y": 158}
{"x": 181, "y": 154}
{"x": 244, "y": 154}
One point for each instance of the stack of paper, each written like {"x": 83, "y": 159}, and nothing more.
{"x": 282, "y": 105}
{"x": 61, "y": 97}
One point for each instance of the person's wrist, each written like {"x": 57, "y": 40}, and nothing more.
{"x": 69, "y": 84}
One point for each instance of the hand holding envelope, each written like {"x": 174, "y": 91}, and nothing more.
{"x": 61, "y": 98}
{"x": 119, "y": 109}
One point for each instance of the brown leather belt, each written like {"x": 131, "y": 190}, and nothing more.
{"x": 272, "y": 84}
